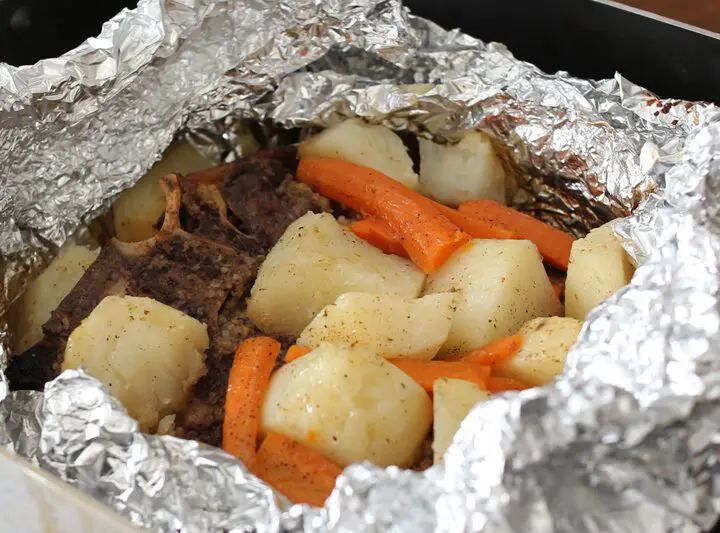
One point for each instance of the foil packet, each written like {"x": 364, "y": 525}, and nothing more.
{"x": 626, "y": 440}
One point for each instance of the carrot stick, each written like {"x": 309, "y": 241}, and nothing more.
{"x": 496, "y": 384}
{"x": 495, "y": 352}
{"x": 295, "y": 352}
{"x": 426, "y": 372}
{"x": 554, "y": 244}
{"x": 249, "y": 376}
{"x": 428, "y": 237}
{"x": 376, "y": 233}
{"x": 298, "y": 472}
{"x": 477, "y": 227}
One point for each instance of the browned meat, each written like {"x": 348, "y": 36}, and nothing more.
{"x": 267, "y": 215}
{"x": 199, "y": 262}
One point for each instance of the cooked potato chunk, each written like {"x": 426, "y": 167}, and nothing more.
{"x": 541, "y": 358}
{"x": 452, "y": 401}
{"x": 384, "y": 324}
{"x": 137, "y": 209}
{"x": 149, "y": 354}
{"x": 45, "y": 293}
{"x": 456, "y": 173}
{"x": 598, "y": 267}
{"x": 349, "y": 405}
{"x": 363, "y": 144}
{"x": 501, "y": 284}
{"x": 315, "y": 261}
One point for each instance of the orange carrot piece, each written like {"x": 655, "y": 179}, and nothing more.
{"x": 428, "y": 237}
{"x": 298, "y": 472}
{"x": 295, "y": 352}
{"x": 554, "y": 244}
{"x": 477, "y": 227}
{"x": 495, "y": 352}
{"x": 497, "y": 384}
{"x": 249, "y": 376}
{"x": 426, "y": 372}
{"x": 376, "y": 233}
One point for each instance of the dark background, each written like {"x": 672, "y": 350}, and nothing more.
{"x": 584, "y": 37}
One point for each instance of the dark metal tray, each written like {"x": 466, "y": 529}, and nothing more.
{"x": 592, "y": 40}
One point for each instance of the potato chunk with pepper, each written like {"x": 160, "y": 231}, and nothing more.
{"x": 452, "y": 401}
{"x": 598, "y": 267}
{"x": 455, "y": 173}
{"x": 349, "y": 405}
{"x": 148, "y": 354}
{"x": 501, "y": 284}
{"x": 44, "y": 293}
{"x": 545, "y": 345}
{"x": 364, "y": 144}
{"x": 138, "y": 208}
{"x": 315, "y": 261}
{"x": 385, "y": 324}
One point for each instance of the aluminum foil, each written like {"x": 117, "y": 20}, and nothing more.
{"x": 626, "y": 440}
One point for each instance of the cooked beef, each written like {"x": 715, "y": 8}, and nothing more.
{"x": 187, "y": 271}
{"x": 199, "y": 262}
{"x": 268, "y": 215}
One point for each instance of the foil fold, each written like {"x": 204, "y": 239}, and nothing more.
{"x": 627, "y": 439}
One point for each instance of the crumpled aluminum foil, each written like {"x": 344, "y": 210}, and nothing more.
{"x": 626, "y": 440}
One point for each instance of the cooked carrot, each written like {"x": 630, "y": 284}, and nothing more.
{"x": 554, "y": 244}
{"x": 495, "y": 352}
{"x": 426, "y": 372}
{"x": 298, "y": 472}
{"x": 249, "y": 376}
{"x": 295, "y": 352}
{"x": 428, "y": 237}
{"x": 496, "y": 384}
{"x": 478, "y": 228}
{"x": 376, "y": 233}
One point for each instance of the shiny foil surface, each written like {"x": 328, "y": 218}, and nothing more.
{"x": 626, "y": 440}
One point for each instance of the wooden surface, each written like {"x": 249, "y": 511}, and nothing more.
{"x": 701, "y": 13}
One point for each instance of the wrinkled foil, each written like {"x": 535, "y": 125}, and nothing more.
{"x": 626, "y": 440}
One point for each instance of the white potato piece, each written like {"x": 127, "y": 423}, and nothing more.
{"x": 468, "y": 170}
{"x": 138, "y": 208}
{"x": 149, "y": 354}
{"x": 541, "y": 358}
{"x": 384, "y": 324}
{"x": 501, "y": 284}
{"x": 44, "y": 294}
{"x": 452, "y": 401}
{"x": 350, "y": 405}
{"x": 364, "y": 144}
{"x": 598, "y": 267}
{"x": 315, "y": 261}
